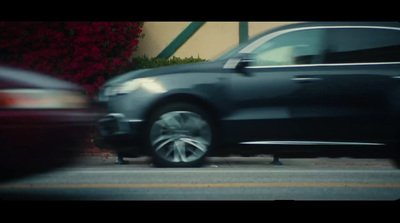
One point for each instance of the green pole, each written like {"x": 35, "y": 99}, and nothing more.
{"x": 180, "y": 40}
{"x": 243, "y": 31}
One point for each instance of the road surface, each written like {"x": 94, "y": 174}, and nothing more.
{"x": 229, "y": 178}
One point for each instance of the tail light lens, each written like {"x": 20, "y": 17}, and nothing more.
{"x": 41, "y": 99}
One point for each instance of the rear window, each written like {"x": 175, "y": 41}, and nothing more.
{"x": 363, "y": 45}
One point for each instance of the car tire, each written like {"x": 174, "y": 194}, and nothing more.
{"x": 179, "y": 135}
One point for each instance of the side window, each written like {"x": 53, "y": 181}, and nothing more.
{"x": 363, "y": 45}
{"x": 297, "y": 47}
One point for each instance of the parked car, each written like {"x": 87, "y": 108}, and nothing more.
{"x": 316, "y": 88}
{"x": 44, "y": 122}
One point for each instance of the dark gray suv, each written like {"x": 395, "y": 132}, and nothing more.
{"x": 330, "y": 88}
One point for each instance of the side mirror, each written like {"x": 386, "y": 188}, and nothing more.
{"x": 239, "y": 63}
{"x": 244, "y": 62}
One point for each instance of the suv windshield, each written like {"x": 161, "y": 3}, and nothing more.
{"x": 233, "y": 51}
{"x": 238, "y": 48}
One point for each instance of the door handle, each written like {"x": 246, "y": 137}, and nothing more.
{"x": 306, "y": 79}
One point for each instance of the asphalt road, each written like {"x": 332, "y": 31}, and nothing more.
{"x": 230, "y": 178}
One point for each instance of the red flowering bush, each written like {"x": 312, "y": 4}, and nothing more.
{"x": 86, "y": 53}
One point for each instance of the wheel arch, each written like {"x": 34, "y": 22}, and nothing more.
{"x": 184, "y": 98}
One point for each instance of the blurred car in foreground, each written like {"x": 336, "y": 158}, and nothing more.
{"x": 44, "y": 122}
{"x": 330, "y": 89}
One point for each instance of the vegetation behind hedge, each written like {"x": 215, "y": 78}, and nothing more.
{"x": 144, "y": 62}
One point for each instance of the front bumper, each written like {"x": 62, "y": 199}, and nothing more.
{"x": 115, "y": 129}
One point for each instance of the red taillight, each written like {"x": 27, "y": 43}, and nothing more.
{"x": 41, "y": 99}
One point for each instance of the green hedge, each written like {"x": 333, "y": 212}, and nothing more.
{"x": 144, "y": 62}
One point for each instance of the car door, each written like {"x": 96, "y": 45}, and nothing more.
{"x": 361, "y": 66}
{"x": 277, "y": 95}
{"x": 307, "y": 86}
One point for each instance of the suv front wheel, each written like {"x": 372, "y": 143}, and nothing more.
{"x": 179, "y": 135}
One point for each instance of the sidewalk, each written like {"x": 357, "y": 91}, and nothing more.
{"x": 94, "y": 156}
{"x": 96, "y": 152}
{"x": 92, "y": 151}
{"x": 98, "y": 158}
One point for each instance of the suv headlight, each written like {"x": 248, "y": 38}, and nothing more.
{"x": 41, "y": 99}
{"x": 149, "y": 84}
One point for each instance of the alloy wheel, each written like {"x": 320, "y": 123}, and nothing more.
{"x": 180, "y": 136}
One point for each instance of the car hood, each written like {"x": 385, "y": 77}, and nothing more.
{"x": 20, "y": 78}
{"x": 193, "y": 67}
{"x": 125, "y": 77}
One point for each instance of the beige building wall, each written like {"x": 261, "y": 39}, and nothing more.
{"x": 157, "y": 36}
{"x": 256, "y": 28}
{"x": 210, "y": 41}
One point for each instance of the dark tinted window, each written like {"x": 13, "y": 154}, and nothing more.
{"x": 363, "y": 45}
{"x": 297, "y": 47}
